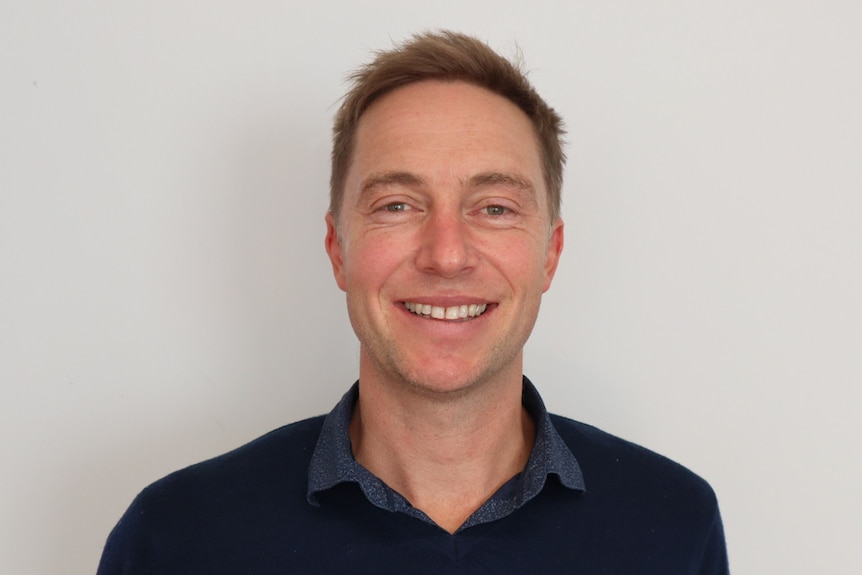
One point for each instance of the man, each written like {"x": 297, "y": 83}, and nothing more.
{"x": 444, "y": 232}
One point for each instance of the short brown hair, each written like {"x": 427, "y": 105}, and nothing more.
{"x": 448, "y": 56}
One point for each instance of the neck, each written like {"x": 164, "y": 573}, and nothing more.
{"x": 446, "y": 453}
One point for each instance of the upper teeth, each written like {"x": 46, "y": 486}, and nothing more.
{"x": 453, "y": 312}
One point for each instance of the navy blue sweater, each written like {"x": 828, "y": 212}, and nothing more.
{"x": 247, "y": 512}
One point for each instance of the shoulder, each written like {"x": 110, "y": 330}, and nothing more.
{"x": 640, "y": 511}
{"x": 616, "y": 466}
{"x": 192, "y": 516}
{"x": 274, "y": 457}
{"x": 270, "y": 471}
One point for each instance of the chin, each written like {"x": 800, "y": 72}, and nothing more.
{"x": 438, "y": 374}
{"x": 447, "y": 381}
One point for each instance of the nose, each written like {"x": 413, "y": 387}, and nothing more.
{"x": 445, "y": 246}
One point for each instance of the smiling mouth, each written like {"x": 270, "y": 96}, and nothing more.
{"x": 451, "y": 313}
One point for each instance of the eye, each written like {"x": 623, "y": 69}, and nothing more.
{"x": 496, "y": 210}
{"x": 395, "y": 207}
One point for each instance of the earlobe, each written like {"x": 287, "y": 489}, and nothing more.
{"x": 552, "y": 257}
{"x": 335, "y": 251}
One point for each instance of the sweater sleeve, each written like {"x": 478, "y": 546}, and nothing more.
{"x": 128, "y": 550}
{"x": 715, "y": 560}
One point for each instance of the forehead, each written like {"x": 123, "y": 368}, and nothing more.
{"x": 438, "y": 129}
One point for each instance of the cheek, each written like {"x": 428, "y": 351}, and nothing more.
{"x": 372, "y": 262}
{"x": 523, "y": 262}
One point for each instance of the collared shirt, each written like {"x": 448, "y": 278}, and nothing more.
{"x": 333, "y": 463}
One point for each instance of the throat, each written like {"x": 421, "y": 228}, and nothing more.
{"x": 445, "y": 472}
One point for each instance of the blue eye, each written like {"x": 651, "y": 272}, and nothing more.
{"x": 395, "y": 207}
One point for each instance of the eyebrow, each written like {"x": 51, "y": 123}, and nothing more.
{"x": 407, "y": 179}
{"x": 384, "y": 179}
{"x": 501, "y": 179}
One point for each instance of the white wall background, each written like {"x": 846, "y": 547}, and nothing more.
{"x": 165, "y": 295}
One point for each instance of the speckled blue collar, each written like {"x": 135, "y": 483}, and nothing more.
{"x": 333, "y": 463}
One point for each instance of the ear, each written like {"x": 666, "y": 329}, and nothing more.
{"x": 552, "y": 255}
{"x": 335, "y": 251}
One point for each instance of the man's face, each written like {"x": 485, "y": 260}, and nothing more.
{"x": 444, "y": 245}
